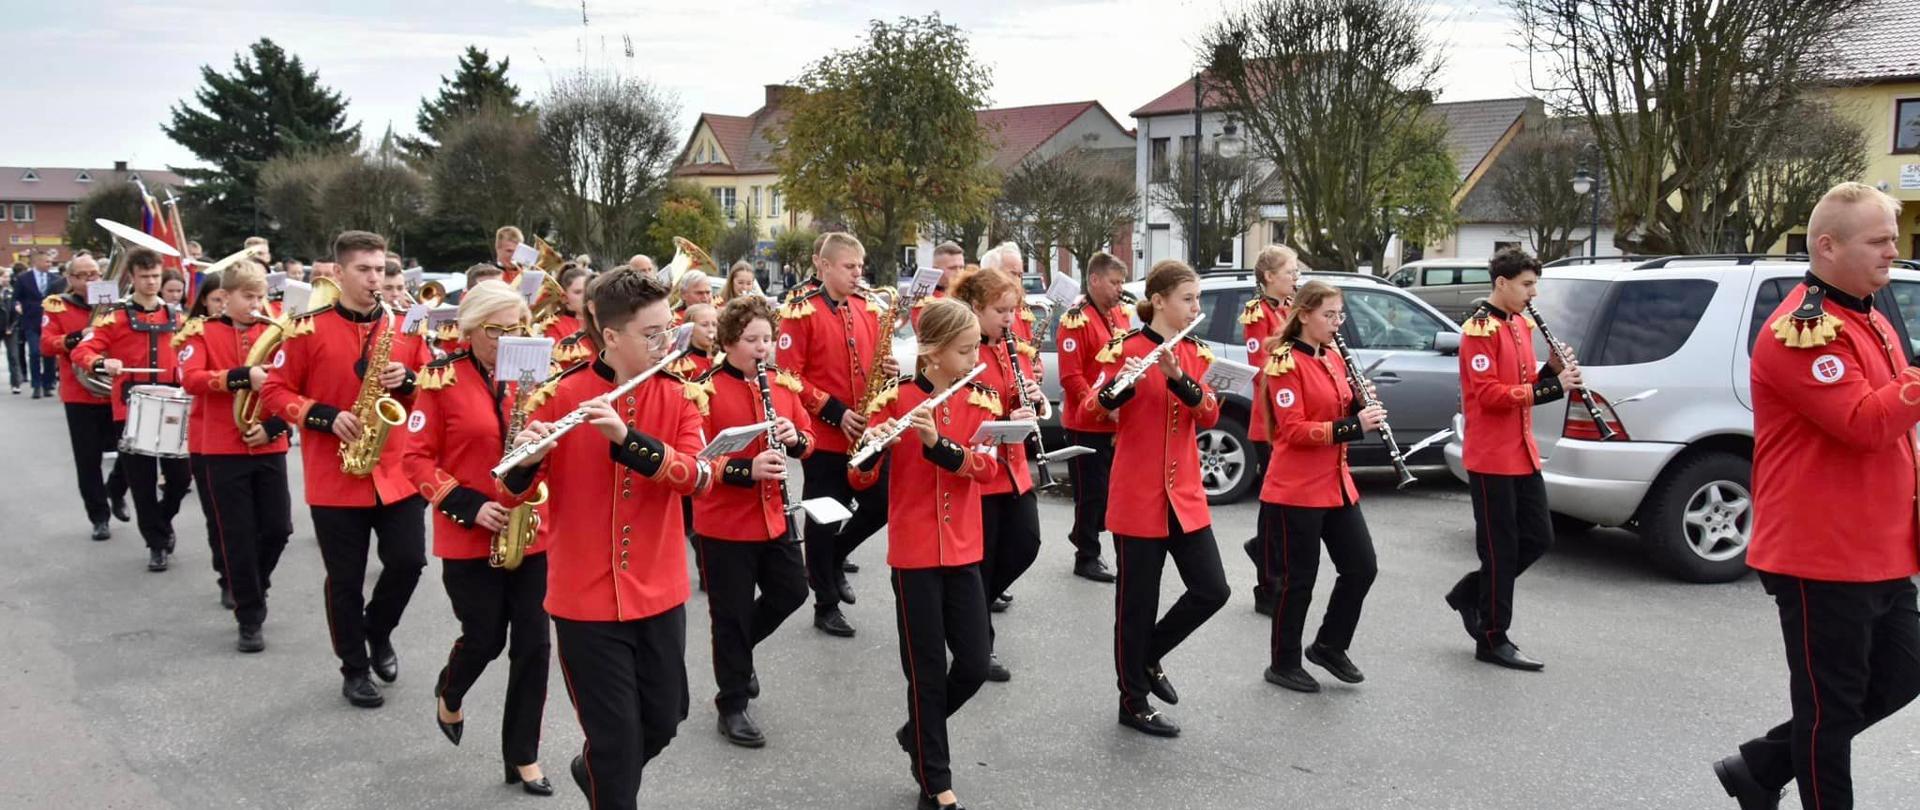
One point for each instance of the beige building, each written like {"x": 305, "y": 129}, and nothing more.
{"x": 732, "y": 157}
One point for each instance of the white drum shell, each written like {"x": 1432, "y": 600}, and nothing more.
{"x": 156, "y": 421}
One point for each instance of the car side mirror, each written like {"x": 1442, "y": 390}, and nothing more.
{"x": 1446, "y": 342}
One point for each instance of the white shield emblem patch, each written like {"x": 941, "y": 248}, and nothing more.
{"x": 1482, "y": 362}
{"x": 1068, "y": 345}
{"x": 786, "y": 342}
{"x": 1284, "y": 398}
{"x": 1828, "y": 368}
{"x": 416, "y": 421}
{"x": 186, "y": 353}
{"x": 280, "y": 358}
{"x": 1253, "y": 344}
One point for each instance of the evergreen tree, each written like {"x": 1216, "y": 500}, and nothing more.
{"x": 270, "y": 105}
{"x": 477, "y": 84}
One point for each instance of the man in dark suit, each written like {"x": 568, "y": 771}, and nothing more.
{"x": 9, "y": 328}
{"x": 29, "y": 289}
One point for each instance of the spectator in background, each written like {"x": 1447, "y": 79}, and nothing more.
{"x": 30, "y": 287}
{"x": 740, "y": 281}
{"x": 294, "y": 269}
{"x": 194, "y": 251}
{"x": 10, "y": 328}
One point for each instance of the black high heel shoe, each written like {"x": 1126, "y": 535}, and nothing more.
{"x": 454, "y": 729}
{"x": 536, "y": 787}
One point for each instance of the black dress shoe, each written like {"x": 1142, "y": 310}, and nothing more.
{"x": 996, "y": 671}
{"x": 850, "y": 566}
{"x": 36, "y": 393}
{"x": 120, "y": 512}
{"x": 537, "y": 787}
{"x": 1469, "y": 617}
{"x": 999, "y": 605}
{"x": 1160, "y": 686}
{"x": 579, "y": 770}
{"x": 833, "y": 623}
{"x": 931, "y": 803}
{"x": 101, "y": 532}
{"x": 1149, "y": 722}
{"x": 1336, "y": 662}
{"x": 1093, "y": 569}
{"x": 226, "y": 598}
{"x": 846, "y": 590}
{"x": 360, "y": 691}
{"x": 157, "y": 559}
{"x": 1296, "y": 679}
{"x": 739, "y": 729}
{"x": 386, "y": 662}
{"x": 1263, "y": 601}
{"x": 250, "y": 640}
{"x": 753, "y": 684}
{"x": 1506, "y": 655}
{"x": 1740, "y": 784}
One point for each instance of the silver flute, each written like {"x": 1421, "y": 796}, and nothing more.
{"x": 900, "y": 426}
{"x": 572, "y": 420}
{"x": 1125, "y": 379}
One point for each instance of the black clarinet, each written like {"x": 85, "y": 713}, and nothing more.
{"x": 1362, "y": 389}
{"x": 1607, "y": 433}
{"x": 766, "y": 406}
{"x": 1034, "y": 447}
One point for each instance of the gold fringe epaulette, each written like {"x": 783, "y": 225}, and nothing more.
{"x": 571, "y": 349}
{"x": 797, "y": 308}
{"x": 984, "y": 396}
{"x": 1479, "y": 324}
{"x": 1026, "y": 314}
{"x": 1074, "y": 318}
{"x": 193, "y": 326}
{"x": 1252, "y": 312}
{"x": 302, "y": 324}
{"x": 1206, "y": 352}
{"x": 1027, "y": 350}
{"x": 886, "y": 395}
{"x": 1111, "y": 351}
{"x": 1280, "y": 360}
{"x": 53, "y": 304}
{"x": 698, "y": 392}
{"x": 439, "y": 373}
{"x": 105, "y": 317}
{"x": 1808, "y": 325}
{"x": 684, "y": 366}
{"x": 539, "y": 327}
{"x": 448, "y": 331}
{"x": 544, "y": 391}
{"x": 788, "y": 380}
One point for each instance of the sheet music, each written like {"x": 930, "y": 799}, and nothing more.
{"x": 444, "y": 313}
{"x": 276, "y": 281}
{"x": 415, "y": 314}
{"x": 1064, "y": 290}
{"x": 414, "y": 276}
{"x": 102, "y": 292}
{"x": 298, "y": 294}
{"x": 521, "y": 357}
{"x": 530, "y": 281}
{"x": 924, "y": 280}
{"x": 526, "y": 255}
{"x": 733, "y": 440}
{"x": 1003, "y": 432}
{"x": 1227, "y": 375}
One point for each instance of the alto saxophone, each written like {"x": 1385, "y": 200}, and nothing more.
{"x": 523, "y": 522}
{"x": 377, "y": 412}
{"x": 882, "y": 349}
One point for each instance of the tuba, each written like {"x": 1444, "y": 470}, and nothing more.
{"x": 687, "y": 256}
{"x": 523, "y": 522}
{"x": 377, "y": 412}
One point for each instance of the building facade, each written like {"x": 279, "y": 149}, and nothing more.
{"x": 37, "y": 202}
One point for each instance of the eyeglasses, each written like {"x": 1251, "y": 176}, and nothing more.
{"x": 1336, "y": 317}
{"x": 660, "y": 339}
{"x": 499, "y": 330}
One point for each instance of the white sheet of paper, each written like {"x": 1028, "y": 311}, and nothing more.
{"x": 924, "y": 280}
{"x": 413, "y": 276}
{"x": 1064, "y": 290}
{"x": 530, "y": 281}
{"x": 276, "y": 281}
{"x": 444, "y": 313}
{"x": 1006, "y": 431}
{"x": 1064, "y": 453}
{"x": 526, "y": 255}
{"x": 733, "y": 440}
{"x": 298, "y": 293}
{"x": 826, "y": 511}
{"x": 1227, "y": 375}
{"x": 523, "y": 358}
{"x": 102, "y": 292}
{"x": 415, "y": 314}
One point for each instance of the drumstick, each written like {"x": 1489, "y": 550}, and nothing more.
{"x": 142, "y": 371}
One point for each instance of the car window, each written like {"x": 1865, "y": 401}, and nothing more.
{"x": 1568, "y": 304}
{"x": 1222, "y": 307}
{"x": 1650, "y": 320}
{"x": 1475, "y": 275}
{"x": 1404, "y": 278}
{"x": 1765, "y": 300}
{"x": 1438, "y": 276}
{"x": 1377, "y": 319}
{"x": 1906, "y": 295}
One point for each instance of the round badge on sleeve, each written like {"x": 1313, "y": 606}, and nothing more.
{"x": 1284, "y": 398}
{"x": 280, "y": 358}
{"x": 786, "y": 342}
{"x": 1482, "y": 362}
{"x": 45, "y": 321}
{"x": 1253, "y": 344}
{"x": 1068, "y": 345}
{"x": 416, "y": 421}
{"x": 1829, "y": 368}
{"x": 186, "y": 353}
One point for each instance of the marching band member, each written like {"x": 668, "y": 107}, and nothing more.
{"x": 740, "y": 281}
{"x": 173, "y": 290}
{"x": 1161, "y": 509}
{"x": 706, "y": 329}
{"x": 1499, "y": 385}
{"x": 64, "y": 321}
{"x": 138, "y": 333}
{"x": 1084, "y": 329}
{"x": 951, "y": 259}
{"x": 1006, "y": 258}
{"x": 458, "y": 422}
{"x": 933, "y": 541}
{"x": 1009, "y": 509}
{"x": 743, "y": 540}
{"x": 209, "y": 302}
{"x": 620, "y": 619}
{"x": 1834, "y": 406}
{"x": 316, "y": 381}
{"x": 506, "y": 240}
{"x": 829, "y": 336}
{"x": 692, "y": 287}
{"x": 1308, "y": 495}
{"x": 242, "y": 472}
{"x": 565, "y": 321}
{"x": 1276, "y": 272}
{"x": 393, "y": 291}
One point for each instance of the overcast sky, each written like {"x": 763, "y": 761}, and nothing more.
{"x": 92, "y": 81}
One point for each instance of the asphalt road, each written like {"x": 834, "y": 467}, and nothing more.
{"x": 120, "y": 688}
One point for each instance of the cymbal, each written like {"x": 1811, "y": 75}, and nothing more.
{"x": 138, "y": 237}
{"x": 215, "y": 267}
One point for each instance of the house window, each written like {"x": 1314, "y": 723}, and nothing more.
{"x": 83, "y": 177}
{"x": 1186, "y": 151}
{"x": 1224, "y": 258}
{"x": 1906, "y": 125}
{"x": 30, "y": 177}
{"x": 23, "y": 212}
{"x": 1797, "y": 243}
{"x": 1277, "y": 233}
{"x": 3, "y": 212}
{"x": 910, "y": 257}
{"x": 727, "y": 198}
{"x": 773, "y": 202}
{"x": 755, "y": 209}
{"x": 1500, "y": 246}
{"x": 1157, "y": 159}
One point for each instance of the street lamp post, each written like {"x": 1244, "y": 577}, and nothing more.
{"x": 1584, "y": 182}
{"x": 1193, "y": 231}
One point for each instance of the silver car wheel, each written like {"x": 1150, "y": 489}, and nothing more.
{"x": 1718, "y": 520}
{"x": 1223, "y": 460}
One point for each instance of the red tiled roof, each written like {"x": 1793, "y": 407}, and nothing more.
{"x": 1177, "y": 101}
{"x": 62, "y": 184}
{"x": 1884, "y": 47}
{"x": 746, "y": 139}
{"x": 1017, "y": 131}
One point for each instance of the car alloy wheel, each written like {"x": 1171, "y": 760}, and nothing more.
{"x": 1223, "y": 461}
{"x": 1718, "y": 520}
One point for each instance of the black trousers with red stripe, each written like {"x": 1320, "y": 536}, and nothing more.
{"x": 345, "y": 533}
{"x": 1512, "y": 530}
{"x": 1091, "y": 473}
{"x": 92, "y": 433}
{"x": 1010, "y": 541}
{"x": 155, "y": 503}
{"x": 937, "y": 610}
{"x": 1139, "y": 641}
{"x": 1853, "y": 659}
{"x": 733, "y": 570}
{"x": 501, "y": 610}
{"x": 628, "y": 684}
{"x": 1291, "y": 536}
{"x": 1256, "y": 547}
{"x": 251, "y": 517}
{"x": 827, "y": 547}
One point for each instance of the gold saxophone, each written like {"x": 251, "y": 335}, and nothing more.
{"x": 377, "y": 412}
{"x": 523, "y": 522}
{"x": 877, "y": 378}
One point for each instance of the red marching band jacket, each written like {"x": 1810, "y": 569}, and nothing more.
{"x": 939, "y": 527}
{"x": 1156, "y": 460}
{"x": 560, "y": 327}
{"x": 693, "y": 365}
{"x": 1500, "y": 382}
{"x": 1834, "y": 405}
{"x": 316, "y": 374}
{"x": 1261, "y": 320}
{"x": 830, "y": 348}
{"x": 1312, "y": 409}
{"x": 458, "y": 432}
{"x": 1001, "y": 357}
{"x": 64, "y": 321}
{"x": 1082, "y": 333}
{"x": 618, "y": 549}
{"x": 213, "y": 368}
{"x": 738, "y": 507}
{"x": 138, "y": 338}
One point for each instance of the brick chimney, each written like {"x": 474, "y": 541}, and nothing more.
{"x": 779, "y": 94}
{"x": 119, "y": 165}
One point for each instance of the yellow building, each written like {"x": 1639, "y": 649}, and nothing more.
{"x": 732, "y": 157}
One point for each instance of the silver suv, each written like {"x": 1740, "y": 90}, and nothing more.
{"x": 1679, "y": 472}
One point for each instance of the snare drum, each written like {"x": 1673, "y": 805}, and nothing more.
{"x": 156, "y": 421}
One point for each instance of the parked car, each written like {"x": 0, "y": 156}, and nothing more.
{"x": 1680, "y": 471}
{"x": 1450, "y": 285}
